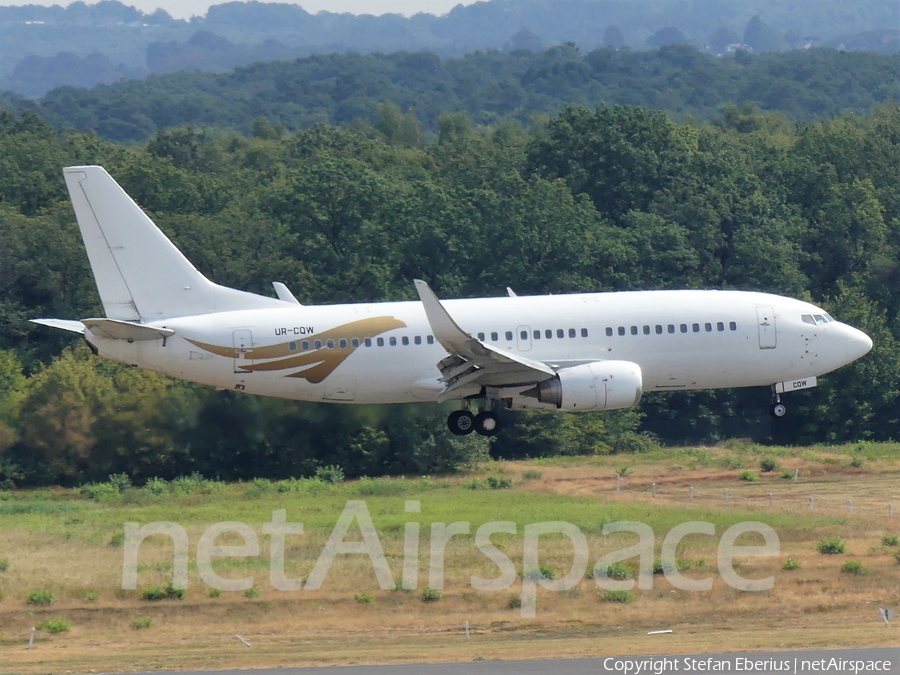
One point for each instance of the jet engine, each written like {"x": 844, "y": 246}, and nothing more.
{"x": 599, "y": 385}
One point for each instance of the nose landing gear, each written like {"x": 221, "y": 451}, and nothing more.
{"x": 777, "y": 410}
{"x": 463, "y": 422}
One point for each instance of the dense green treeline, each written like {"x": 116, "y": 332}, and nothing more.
{"x": 342, "y": 89}
{"x": 610, "y": 198}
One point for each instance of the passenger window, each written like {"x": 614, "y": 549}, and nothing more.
{"x": 658, "y": 329}
{"x": 671, "y": 328}
{"x": 646, "y": 330}
{"x": 509, "y": 336}
{"x": 537, "y": 335}
{"x": 695, "y": 327}
{"x": 318, "y": 344}
{"x": 405, "y": 341}
{"x": 708, "y": 327}
{"x": 720, "y": 326}
{"x": 418, "y": 339}
{"x": 430, "y": 339}
{"x": 355, "y": 342}
{"x": 609, "y": 332}
{"x": 330, "y": 344}
{"x": 305, "y": 345}
{"x": 621, "y": 330}
{"x": 393, "y": 342}
{"x": 380, "y": 342}
{"x": 560, "y": 333}
{"x": 684, "y": 328}
{"x": 367, "y": 342}
{"x": 732, "y": 325}
{"x": 292, "y": 346}
{"x": 494, "y": 337}
{"x": 481, "y": 336}
{"x": 584, "y": 332}
{"x": 571, "y": 332}
{"x": 549, "y": 333}
{"x": 343, "y": 343}
{"x": 523, "y": 334}
{"x": 634, "y": 330}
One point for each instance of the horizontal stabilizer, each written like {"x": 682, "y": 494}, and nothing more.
{"x": 125, "y": 330}
{"x": 64, "y": 324}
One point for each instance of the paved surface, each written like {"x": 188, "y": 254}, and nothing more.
{"x": 830, "y": 662}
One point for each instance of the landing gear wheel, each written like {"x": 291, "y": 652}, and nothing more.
{"x": 487, "y": 423}
{"x": 777, "y": 410}
{"x": 461, "y": 422}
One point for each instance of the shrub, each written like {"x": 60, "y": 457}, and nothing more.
{"x": 623, "y": 470}
{"x": 330, "y": 474}
{"x": 252, "y": 592}
{"x": 120, "y": 481}
{"x": 617, "y": 596}
{"x": 214, "y": 593}
{"x": 748, "y": 475}
{"x": 857, "y": 462}
{"x": 259, "y": 486}
{"x": 475, "y": 484}
{"x": 787, "y": 474}
{"x": 660, "y": 567}
{"x": 855, "y": 567}
{"x": 430, "y": 594}
{"x": 790, "y": 565}
{"x": 55, "y": 625}
{"x": 91, "y": 597}
{"x": 364, "y": 598}
{"x": 515, "y": 602}
{"x": 540, "y": 573}
{"x": 532, "y": 475}
{"x": 172, "y": 592}
{"x": 117, "y": 539}
{"x": 631, "y": 442}
{"x": 499, "y": 482}
{"x": 832, "y": 546}
{"x": 156, "y": 486}
{"x": 98, "y": 491}
{"x": 619, "y": 571}
{"x": 153, "y": 593}
{"x": 4, "y": 565}
{"x": 141, "y": 622}
{"x": 886, "y": 540}
{"x": 767, "y": 464}
{"x": 41, "y": 598}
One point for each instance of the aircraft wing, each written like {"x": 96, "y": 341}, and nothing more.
{"x": 471, "y": 361}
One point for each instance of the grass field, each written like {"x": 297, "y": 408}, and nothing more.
{"x": 68, "y": 544}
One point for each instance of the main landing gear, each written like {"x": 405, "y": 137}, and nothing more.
{"x": 777, "y": 409}
{"x": 463, "y": 422}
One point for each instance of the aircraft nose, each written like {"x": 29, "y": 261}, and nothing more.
{"x": 858, "y": 344}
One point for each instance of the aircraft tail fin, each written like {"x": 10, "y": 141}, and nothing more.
{"x": 140, "y": 274}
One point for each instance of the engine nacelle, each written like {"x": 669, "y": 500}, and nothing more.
{"x": 600, "y": 385}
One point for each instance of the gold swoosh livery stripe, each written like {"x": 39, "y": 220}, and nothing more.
{"x": 324, "y": 361}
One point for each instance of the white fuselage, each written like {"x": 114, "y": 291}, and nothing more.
{"x": 680, "y": 339}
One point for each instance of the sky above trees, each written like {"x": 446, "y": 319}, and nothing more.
{"x": 185, "y": 9}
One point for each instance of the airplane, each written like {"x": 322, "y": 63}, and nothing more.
{"x": 569, "y": 353}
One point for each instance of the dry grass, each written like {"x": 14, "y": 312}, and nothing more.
{"x": 818, "y": 606}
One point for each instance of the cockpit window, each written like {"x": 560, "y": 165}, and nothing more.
{"x": 816, "y": 319}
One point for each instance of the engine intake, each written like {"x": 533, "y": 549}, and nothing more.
{"x": 600, "y": 385}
